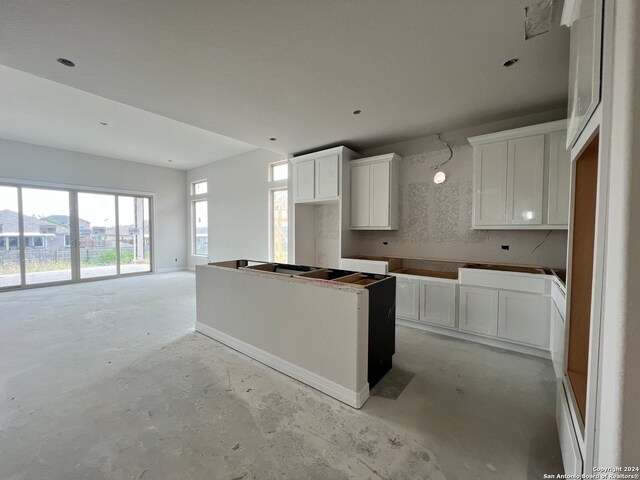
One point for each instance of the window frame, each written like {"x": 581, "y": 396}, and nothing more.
{"x": 198, "y": 182}
{"x": 272, "y": 186}
{"x": 195, "y": 198}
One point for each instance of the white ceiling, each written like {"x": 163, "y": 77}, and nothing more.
{"x": 291, "y": 69}
{"x": 40, "y": 111}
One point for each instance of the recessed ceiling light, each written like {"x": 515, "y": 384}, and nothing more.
{"x": 103, "y": 123}
{"x": 66, "y": 62}
{"x": 510, "y": 62}
{"x": 357, "y": 112}
{"x": 273, "y": 139}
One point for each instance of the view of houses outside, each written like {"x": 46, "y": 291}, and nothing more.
{"x": 48, "y": 236}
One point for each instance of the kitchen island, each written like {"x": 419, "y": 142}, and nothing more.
{"x": 333, "y": 330}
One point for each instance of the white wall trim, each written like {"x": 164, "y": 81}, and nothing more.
{"x": 492, "y": 342}
{"x": 352, "y": 398}
{"x": 172, "y": 269}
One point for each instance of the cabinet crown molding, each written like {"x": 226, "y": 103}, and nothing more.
{"x": 387, "y": 157}
{"x": 329, "y": 151}
{"x": 519, "y": 132}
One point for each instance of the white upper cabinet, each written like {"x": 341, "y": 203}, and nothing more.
{"x": 304, "y": 180}
{"x": 559, "y": 179}
{"x": 327, "y": 178}
{"x": 374, "y": 193}
{"x": 585, "y": 62}
{"x": 317, "y": 177}
{"x": 360, "y": 195}
{"x": 490, "y": 175}
{"x": 525, "y": 175}
{"x": 510, "y": 188}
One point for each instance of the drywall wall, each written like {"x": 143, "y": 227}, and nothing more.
{"x": 27, "y": 162}
{"x": 238, "y": 202}
{"x": 317, "y": 332}
{"x": 435, "y": 220}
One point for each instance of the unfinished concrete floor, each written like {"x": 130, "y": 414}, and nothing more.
{"x": 107, "y": 380}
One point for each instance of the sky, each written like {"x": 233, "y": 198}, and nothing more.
{"x": 99, "y": 209}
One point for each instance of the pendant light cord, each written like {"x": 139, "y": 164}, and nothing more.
{"x": 437, "y": 167}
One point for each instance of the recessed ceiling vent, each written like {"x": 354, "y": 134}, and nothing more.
{"x": 66, "y": 62}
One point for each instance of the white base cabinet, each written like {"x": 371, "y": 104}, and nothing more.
{"x": 524, "y": 317}
{"x": 438, "y": 303}
{"x": 569, "y": 445}
{"x": 479, "y": 310}
{"x": 426, "y": 300}
{"x": 408, "y": 298}
{"x": 558, "y": 328}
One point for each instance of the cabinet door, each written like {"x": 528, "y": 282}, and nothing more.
{"x": 490, "y": 179}
{"x": 303, "y": 177}
{"x": 327, "y": 177}
{"x": 478, "y": 310}
{"x": 360, "y": 196}
{"x": 408, "y": 298}
{"x": 524, "y": 317}
{"x": 438, "y": 303}
{"x": 559, "y": 179}
{"x": 525, "y": 175}
{"x": 557, "y": 340}
{"x": 380, "y": 190}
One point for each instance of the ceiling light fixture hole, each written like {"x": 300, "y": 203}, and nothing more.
{"x": 66, "y": 62}
{"x": 357, "y": 112}
{"x": 510, "y": 62}
{"x": 273, "y": 139}
{"x": 104, "y": 123}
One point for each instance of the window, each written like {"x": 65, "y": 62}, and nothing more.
{"x": 279, "y": 225}
{"x": 200, "y": 228}
{"x": 278, "y": 171}
{"x": 67, "y": 240}
{"x": 199, "y": 219}
{"x": 278, "y": 212}
{"x": 199, "y": 188}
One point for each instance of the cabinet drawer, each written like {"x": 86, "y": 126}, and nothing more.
{"x": 504, "y": 281}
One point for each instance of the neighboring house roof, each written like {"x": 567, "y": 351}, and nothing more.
{"x": 9, "y": 224}
{"x": 63, "y": 220}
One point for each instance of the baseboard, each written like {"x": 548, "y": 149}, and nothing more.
{"x": 351, "y": 397}
{"x": 171, "y": 269}
{"x": 492, "y": 342}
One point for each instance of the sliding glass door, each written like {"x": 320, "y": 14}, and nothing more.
{"x": 54, "y": 235}
{"x": 97, "y": 235}
{"x": 135, "y": 251}
{"x": 10, "y": 264}
{"x": 47, "y": 223}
